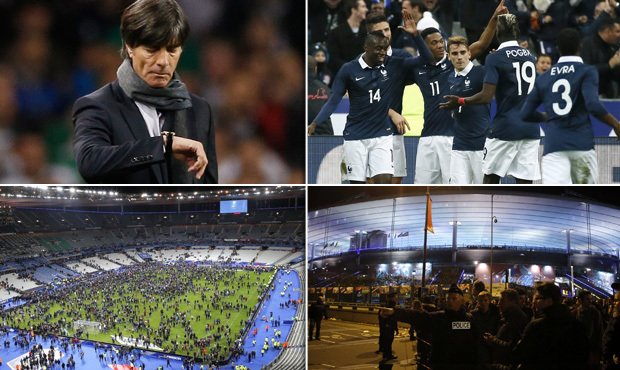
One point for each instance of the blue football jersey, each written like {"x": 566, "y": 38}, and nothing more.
{"x": 371, "y": 93}
{"x": 569, "y": 94}
{"x": 432, "y": 79}
{"x": 471, "y": 122}
{"x": 512, "y": 70}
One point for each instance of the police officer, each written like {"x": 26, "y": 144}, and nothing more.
{"x": 454, "y": 339}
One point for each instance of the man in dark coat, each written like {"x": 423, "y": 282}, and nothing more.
{"x": 316, "y": 313}
{"x": 555, "y": 341}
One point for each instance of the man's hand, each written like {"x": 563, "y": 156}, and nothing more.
{"x": 192, "y": 153}
{"x": 311, "y": 128}
{"x": 409, "y": 24}
{"x": 501, "y": 9}
{"x": 615, "y": 60}
{"x": 488, "y": 337}
{"x": 401, "y": 123}
{"x": 451, "y": 103}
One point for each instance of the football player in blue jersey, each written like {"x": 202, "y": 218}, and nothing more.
{"x": 435, "y": 146}
{"x": 377, "y": 22}
{"x": 569, "y": 94}
{"x": 370, "y": 80}
{"x": 471, "y": 122}
{"x": 512, "y": 144}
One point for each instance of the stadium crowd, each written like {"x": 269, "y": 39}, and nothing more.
{"x": 186, "y": 309}
{"x": 463, "y": 331}
{"x": 56, "y": 51}
{"x": 337, "y": 28}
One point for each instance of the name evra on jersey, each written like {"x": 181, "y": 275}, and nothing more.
{"x": 558, "y": 70}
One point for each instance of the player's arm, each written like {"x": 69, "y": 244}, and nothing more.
{"x": 484, "y": 96}
{"x": 480, "y": 46}
{"x": 410, "y": 27}
{"x": 338, "y": 90}
{"x": 589, "y": 91}
{"x": 528, "y": 111}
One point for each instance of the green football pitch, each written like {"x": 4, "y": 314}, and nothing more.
{"x": 213, "y": 304}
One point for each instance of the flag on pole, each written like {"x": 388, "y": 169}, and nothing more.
{"x": 429, "y": 213}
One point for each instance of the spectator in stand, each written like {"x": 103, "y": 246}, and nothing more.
{"x": 474, "y": 15}
{"x": 346, "y": 41}
{"x": 443, "y": 12}
{"x": 547, "y": 19}
{"x": 543, "y": 63}
{"x": 318, "y": 93}
{"x": 325, "y": 15}
{"x": 404, "y": 40}
{"x": 320, "y": 56}
{"x": 601, "y": 50}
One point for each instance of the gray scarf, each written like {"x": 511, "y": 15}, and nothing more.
{"x": 172, "y": 97}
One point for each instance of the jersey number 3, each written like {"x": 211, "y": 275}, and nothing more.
{"x": 525, "y": 72}
{"x": 565, "y": 95}
{"x": 374, "y": 97}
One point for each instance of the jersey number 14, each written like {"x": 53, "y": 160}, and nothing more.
{"x": 376, "y": 96}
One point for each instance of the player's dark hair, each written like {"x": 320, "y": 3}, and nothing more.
{"x": 507, "y": 27}
{"x": 374, "y": 37}
{"x": 374, "y": 18}
{"x": 153, "y": 24}
{"x": 550, "y": 290}
{"x": 569, "y": 41}
{"x": 428, "y": 31}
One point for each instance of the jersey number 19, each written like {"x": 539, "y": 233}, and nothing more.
{"x": 525, "y": 72}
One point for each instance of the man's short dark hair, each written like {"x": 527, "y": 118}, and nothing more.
{"x": 550, "y": 290}
{"x": 569, "y": 41}
{"x": 605, "y": 23}
{"x": 510, "y": 295}
{"x": 154, "y": 24}
{"x": 374, "y": 18}
{"x": 428, "y": 31}
{"x": 349, "y": 5}
{"x": 374, "y": 37}
{"x": 417, "y": 4}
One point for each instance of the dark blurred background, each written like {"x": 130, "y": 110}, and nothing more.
{"x": 244, "y": 57}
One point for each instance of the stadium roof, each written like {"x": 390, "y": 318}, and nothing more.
{"x": 526, "y": 217}
{"x": 13, "y": 195}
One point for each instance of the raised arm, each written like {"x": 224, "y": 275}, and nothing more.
{"x": 479, "y": 47}
{"x": 410, "y": 27}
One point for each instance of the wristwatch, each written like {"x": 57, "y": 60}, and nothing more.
{"x": 169, "y": 137}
